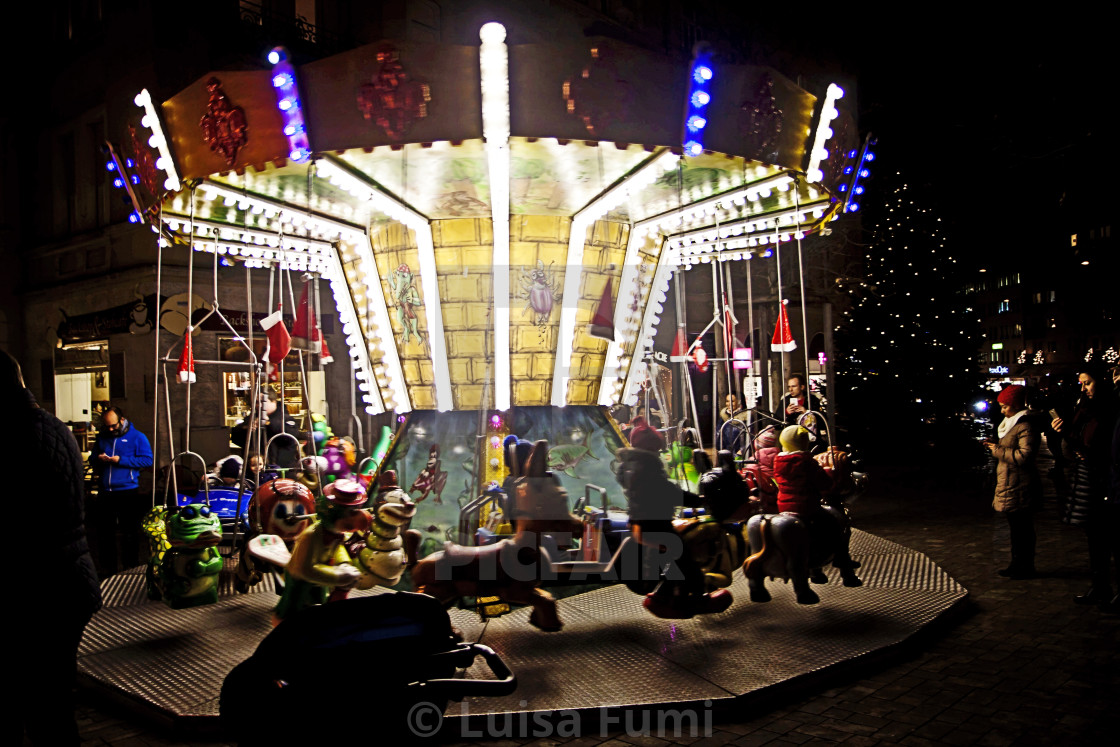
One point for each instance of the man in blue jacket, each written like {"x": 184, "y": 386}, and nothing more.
{"x": 117, "y": 457}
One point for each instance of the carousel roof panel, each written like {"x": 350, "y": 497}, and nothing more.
{"x": 400, "y": 93}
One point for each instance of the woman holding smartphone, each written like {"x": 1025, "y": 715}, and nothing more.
{"x": 1086, "y": 439}
{"x": 1018, "y": 489}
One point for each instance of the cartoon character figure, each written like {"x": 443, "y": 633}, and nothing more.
{"x": 320, "y": 568}
{"x": 338, "y": 466}
{"x": 406, "y": 298}
{"x": 186, "y": 574}
{"x": 280, "y": 509}
{"x": 540, "y": 287}
{"x": 390, "y": 546}
{"x": 432, "y": 479}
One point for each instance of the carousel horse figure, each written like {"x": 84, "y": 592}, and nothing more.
{"x": 692, "y": 548}
{"x": 796, "y": 543}
{"x": 509, "y": 569}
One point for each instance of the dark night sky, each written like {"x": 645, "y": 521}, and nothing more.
{"x": 1009, "y": 124}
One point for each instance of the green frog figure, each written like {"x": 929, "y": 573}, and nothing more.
{"x": 187, "y": 573}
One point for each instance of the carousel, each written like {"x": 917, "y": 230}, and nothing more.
{"x": 499, "y": 227}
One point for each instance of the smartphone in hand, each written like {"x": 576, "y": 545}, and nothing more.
{"x": 1054, "y": 415}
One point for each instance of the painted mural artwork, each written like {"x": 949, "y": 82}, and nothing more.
{"x": 459, "y": 197}
{"x": 566, "y": 457}
{"x": 541, "y": 289}
{"x": 406, "y": 298}
{"x": 432, "y": 479}
{"x": 439, "y": 449}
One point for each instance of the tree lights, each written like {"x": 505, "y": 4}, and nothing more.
{"x": 289, "y": 103}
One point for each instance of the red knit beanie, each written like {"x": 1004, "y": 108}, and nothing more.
{"x": 645, "y": 438}
{"x": 1014, "y": 396}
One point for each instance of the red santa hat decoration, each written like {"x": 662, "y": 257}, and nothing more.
{"x": 279, "y": 342}
{"x": 783, "y": 341}
{"x": 306, "y": 334}
{"x": 186, "y": 360}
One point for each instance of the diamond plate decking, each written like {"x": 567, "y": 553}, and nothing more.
{"x": 611, "y": 653}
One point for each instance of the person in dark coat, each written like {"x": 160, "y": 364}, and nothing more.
{"x": 1112, "y": 513}
{"x": 284, "y": 451}
{"x": 1086, "y": 442}
{"x": 57, "y": 599}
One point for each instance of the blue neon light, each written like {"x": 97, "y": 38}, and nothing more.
{"x": 699, "y": 96}
{"x": 110, "y": 166}
{"x": 696, "y": 123}
{"x": 287, "y": 101}
{"x": 118, "y": 183}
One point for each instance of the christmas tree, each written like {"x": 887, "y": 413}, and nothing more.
{"x": 908, "y": 342}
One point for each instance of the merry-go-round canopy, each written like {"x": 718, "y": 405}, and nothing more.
{"x": 477, "y": 208}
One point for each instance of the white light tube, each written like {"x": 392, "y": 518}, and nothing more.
{"x": 494, "y": 68}
{"x": 151, "y": 120}
{"x": 824, "y": 132}
{"x": 384, "y": 203}
{"x": 629, "y": 186}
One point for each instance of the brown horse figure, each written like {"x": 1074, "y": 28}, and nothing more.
{"x": 509, "y": 569}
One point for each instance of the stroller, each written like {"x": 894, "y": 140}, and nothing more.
{"x": 328, "y": 667}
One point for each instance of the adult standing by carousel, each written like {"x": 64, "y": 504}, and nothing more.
{"x": 1086, "y": 442}
{"x": 117, "y": 457}
{"x": 58, "y": 591}
{"x": 1018, "y": 489}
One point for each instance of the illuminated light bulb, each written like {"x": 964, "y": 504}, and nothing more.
{"x": 285, "y": 104}
{"x": 281, "y": 80}
{"x": 702, "y": 73}
{"x": 701, "y": 98}
{"x": 274, "y": 57}
{"x": 696, "y": 123}
{"x": 693, "y": 148}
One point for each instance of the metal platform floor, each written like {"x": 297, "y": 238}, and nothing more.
{"x": 611, "y": 653}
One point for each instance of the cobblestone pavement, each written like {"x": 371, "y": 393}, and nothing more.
{"x": 1026, "y": 666}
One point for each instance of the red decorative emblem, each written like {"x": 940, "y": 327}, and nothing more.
{"x": 224, "y": 127}
{"x": 392, "y": 99}
{"x": 145, "y": 165}
{"x": 598, "y": 95}
{"x": 760, "y": 122}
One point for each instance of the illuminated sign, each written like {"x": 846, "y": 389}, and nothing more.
{"x": 999, "y": 370}
{"x": 997, "y": 346}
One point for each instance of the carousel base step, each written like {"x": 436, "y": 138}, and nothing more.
{"x": 612, "y": 654}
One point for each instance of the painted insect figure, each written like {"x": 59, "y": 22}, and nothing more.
{"x": 541, "y": 289}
